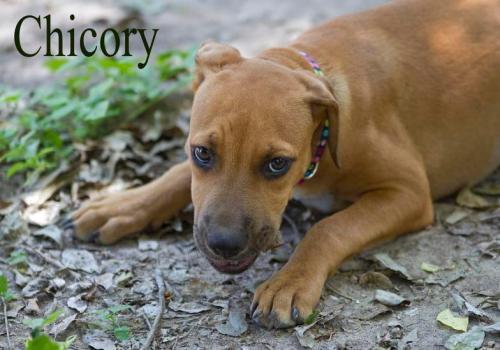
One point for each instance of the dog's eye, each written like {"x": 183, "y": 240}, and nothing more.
{"x": 202, "y": 156}
{"x": 277, "y": 166}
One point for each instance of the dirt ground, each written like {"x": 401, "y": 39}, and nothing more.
{"x": 452, "y": 264}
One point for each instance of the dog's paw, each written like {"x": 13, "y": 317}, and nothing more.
{"x": 286, "y": 299}
{"x": 110, "y": 218}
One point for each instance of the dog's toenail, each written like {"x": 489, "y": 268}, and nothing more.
{"x": 94, "y": 237}
{"x": 253, "y": 307}
{"x": 67, "y": 224}
{"x": 295, "y": 314}
{"x": 256, "y": 315}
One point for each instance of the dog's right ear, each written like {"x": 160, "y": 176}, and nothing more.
{"x": 211, "y": 58}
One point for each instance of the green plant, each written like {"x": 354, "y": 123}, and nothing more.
{"x": 94, "y": 96}
{"x": 17, "y": 257}
{"x": 312, "y": 317}
{"x": 5, "y": 294}
{"x": 41, "y": 341}
{"x": 109, "y": 320}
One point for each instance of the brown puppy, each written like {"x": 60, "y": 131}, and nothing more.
{"x": 412, "y": 92}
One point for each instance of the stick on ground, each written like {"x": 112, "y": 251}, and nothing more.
{"x": 51, "y": 261}
{"x": 6, "y": 323}
{"x": 161, "y": 308}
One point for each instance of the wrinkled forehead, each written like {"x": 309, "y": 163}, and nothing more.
{"x": 257, "y": 97}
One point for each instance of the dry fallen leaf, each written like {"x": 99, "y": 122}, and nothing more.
{"x": 52, "y": 232}
{"x": 45, "y": 215}
{"x": 375, "y": 279}
{"x": 34, "y": 287}
{"x": 235, "y": 325}
{"x": 490, "y": 189}
{"x": 456, "y": 216}
{"x": 76, "y": 303}
{"x": 98, "y": 340}
{"x": 447, "y": 318}
{"x": 62, "y": 325}
{"x": 390, "y": 299}
{"x": 470, "y": 340}
{"x": 105, "y": 280}
{"x": 411, "y": 337}
{"x": 145, "y": 244}
{"x": 444, "y": 277}
{"x": 469, "y": 309}
{"x": 468, "y": 199}
{"x": 12, "y": 226}
{"x": 386, "y": 261}
{"x": 13, "y": 308}
{"x": 428, "y": 267}
{"x": 79, "y": 259}
{"x": 189, "y": 307}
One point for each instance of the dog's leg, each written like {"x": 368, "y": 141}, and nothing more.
{"x": 291, "y": 294}
{"x": 112, "y": 217}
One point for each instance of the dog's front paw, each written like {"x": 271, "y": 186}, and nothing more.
{"x": 287, "y": 298}
{"x": 111, "y": 217}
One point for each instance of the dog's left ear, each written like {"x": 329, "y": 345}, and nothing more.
{"x": 323, "y": 105}
{"x": 212, "y": 57}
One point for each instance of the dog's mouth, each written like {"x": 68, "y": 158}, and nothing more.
{"x": 232, "y": 266}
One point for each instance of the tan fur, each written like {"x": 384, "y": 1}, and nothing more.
{"x": 413, "y": 94}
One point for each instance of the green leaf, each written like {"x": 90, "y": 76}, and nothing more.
{"x": 4, "y": 285}
{"x": 122, "y": 333}
{"x": 42, "y": 342}
{"x": 38, "y": 323}
{"x": 10, "y": 96}
{"x": 57, "y": 100}
{"x": 119, "y": 308}
{"x": 16, "y": 168}
{"x": 98, "y": 112}
{"x": 312, "y": 317}
{"x": 77, "y": 82}
{"x": 97, "y": 92}
{"x": 51, "y": 318}
{"x": 56, "y": 64}
{"x": 63, "y": 111}
{"x": 17, "y": 257}
{"x": 53, "y": 138}
{"x": 83, "y": 104}
{"x": 68, "y": 342}
{"x": 33, "y": 323}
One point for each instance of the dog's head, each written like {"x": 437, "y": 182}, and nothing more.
{"x": 253, "y": 129}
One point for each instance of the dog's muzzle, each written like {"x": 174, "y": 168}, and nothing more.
{"x": 226, "y": 249}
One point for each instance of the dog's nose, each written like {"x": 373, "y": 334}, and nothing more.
{"x": 226, "y": 243}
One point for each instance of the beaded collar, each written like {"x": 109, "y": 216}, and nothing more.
{"x": 320, "y": 147}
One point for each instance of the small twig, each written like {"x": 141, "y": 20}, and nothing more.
{"x": 193, "y": 327}
{"x": 292, "y": 224}
{"x": 161, "y": 308}
{"x": 146, "y": 319}
{"x": 45, "y": 257}
{"x": 51, "y": 261}
{"x": 339, "y": 293}
{"x": 6, "y": 323}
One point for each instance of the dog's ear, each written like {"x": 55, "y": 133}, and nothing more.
{"x": 319, "y": 95}
{"x": 211, "y": 58}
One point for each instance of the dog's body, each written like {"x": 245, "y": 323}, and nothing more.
{"x": 412, "y": 91}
